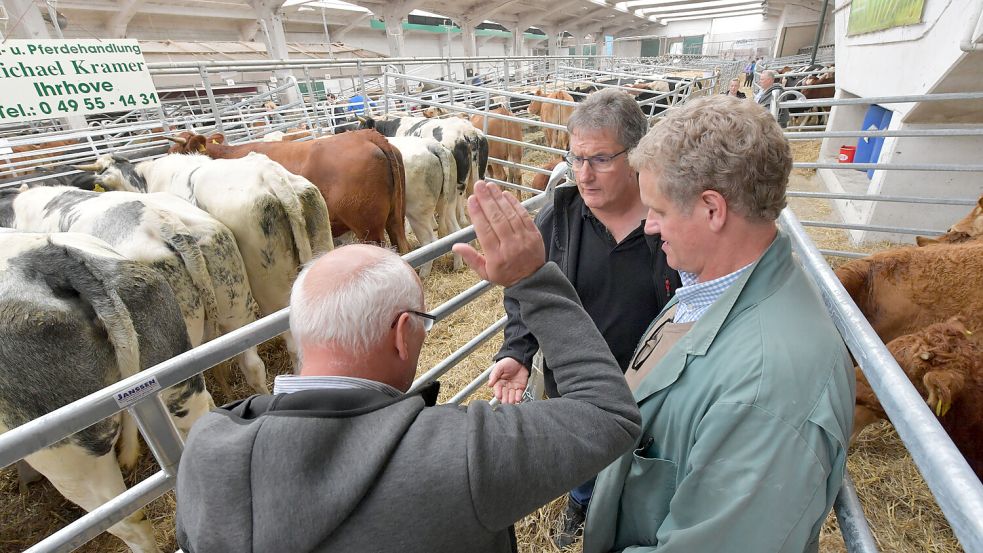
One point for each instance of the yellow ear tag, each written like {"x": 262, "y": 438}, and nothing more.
{"x": 214, "y": 141}
{"x": 98, "y": 188}
{"x": 201, "y": 149}
{"x": 941, "y": 408}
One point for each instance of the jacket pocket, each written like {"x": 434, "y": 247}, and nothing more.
{"x": 649, "y": 486}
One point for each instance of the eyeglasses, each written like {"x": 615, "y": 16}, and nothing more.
{"x": 649, "y": 346}
{"x": 428, "y": 319}
{"x": 601, "y": 164}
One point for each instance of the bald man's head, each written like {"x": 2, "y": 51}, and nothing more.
{"x": 348, "y": 298}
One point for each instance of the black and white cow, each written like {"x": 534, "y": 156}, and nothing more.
{"x": 197, "y": 255}
{"x": 76, "y": 317}
{"x": 278, "y": 218}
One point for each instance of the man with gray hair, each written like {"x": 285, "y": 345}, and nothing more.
{"x": 745, "y": 387}
{"x": 768, "y": 86}
{"x": 343, "y": 458}
{"x": 593, "y": 231}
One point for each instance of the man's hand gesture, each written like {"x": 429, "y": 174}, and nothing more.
{"x": 513, "y": 248}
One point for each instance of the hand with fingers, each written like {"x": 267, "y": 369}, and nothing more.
{"x": 513, "y": 248}
{"x": 509, "y": 378}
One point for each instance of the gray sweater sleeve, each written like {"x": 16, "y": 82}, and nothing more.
{"x": 522, "y": 456}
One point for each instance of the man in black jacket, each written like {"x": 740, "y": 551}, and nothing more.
{"x": 594, "y": 232}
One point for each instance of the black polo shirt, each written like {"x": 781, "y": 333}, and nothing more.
{"x": 622, "y": 308}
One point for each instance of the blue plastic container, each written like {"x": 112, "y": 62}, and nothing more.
{"x": 869, "y": 148}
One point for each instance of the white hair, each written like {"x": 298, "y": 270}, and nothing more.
{"x": 356, "y": 314}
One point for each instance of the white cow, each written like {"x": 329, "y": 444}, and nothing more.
{"x": 431, "y": 190}
{"x": 77, "y": 316}
{"x": 278, "y": 218}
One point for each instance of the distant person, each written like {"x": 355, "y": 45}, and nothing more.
{"x": 342, "y": 459}
{"x": 749, "y": 72}
{"x": 745, "y": 387}
{"x": 768, "y": 86}
{"x": 356, "y": 104}
{"x": 593, "y": 230}
{"x": 734, "y": 89}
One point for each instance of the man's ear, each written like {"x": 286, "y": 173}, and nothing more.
{"x": 715, "y": 206}
{"x": 403, "y": 336}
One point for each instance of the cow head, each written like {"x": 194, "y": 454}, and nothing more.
{"x": 180, "y": 142}
{"x": 937, "y": 359}
{"x": 114, "y": 172}
{"x": 968, "y": 228}
{"x": 366, "y": 123}
{"x": 535, "y": 106}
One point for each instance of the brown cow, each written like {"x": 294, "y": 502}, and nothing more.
{"x": 903, "y": 290}
{"x": 556, "y": 114}
{"x": 501, "y": 150}
{"x": 359, "y": 173}
{"x": 944, "y": 362}
{"x": 32, "y": 152}
{"x": 540, "y": 181}
{"x": 968, "y": 228}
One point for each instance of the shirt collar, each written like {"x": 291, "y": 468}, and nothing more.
{"x": 696, "y": 297}
{"x": 288, "y": 384}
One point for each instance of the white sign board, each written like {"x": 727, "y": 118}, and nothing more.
{"x": 57, "y": 78}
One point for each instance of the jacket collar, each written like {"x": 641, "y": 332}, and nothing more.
{"x": 760, "y": 281}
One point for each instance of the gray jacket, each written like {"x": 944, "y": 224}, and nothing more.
{"x": 345, "y": 470}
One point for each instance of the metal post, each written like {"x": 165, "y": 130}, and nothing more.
{"x": 385, "y": 93}
{"x": 819, "y": 32}
{"x": 313, "y": 91}
{"x": 159, "y": 432}
{"x": 487, "y": 109}
{"x": 450, "y": 91}
{"x": 211, "y": 98}
{"x": 367, "y": 110}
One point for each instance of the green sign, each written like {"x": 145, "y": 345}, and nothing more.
{"x": 875, "y": 15}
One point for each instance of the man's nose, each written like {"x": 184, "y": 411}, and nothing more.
{"x": 585, "y": 172}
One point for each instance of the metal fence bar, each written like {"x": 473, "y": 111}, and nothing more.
{"x": 98, "y": 520}
{"x": 956, "y": 488}
{"x": 886, "y": 133}
{"x": 480, "y": 112}
{"x": 853, "y": 524}
{"x": 841, "y": 253}
{"x": 941, "y": 97}
{"x": 453, "y": 359}
{"x": 457, "y": 302}
{"x": 863, "y": 197}
{"x": 472, "y": 387}
{"x": 874, "y": 228}
{"x": 891, "y": 166}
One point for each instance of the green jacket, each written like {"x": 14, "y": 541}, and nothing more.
{"x": 745, "y": 424}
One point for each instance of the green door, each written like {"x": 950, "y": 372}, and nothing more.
{"x": 693, "y": 45}
{"x": 650, "y": 48}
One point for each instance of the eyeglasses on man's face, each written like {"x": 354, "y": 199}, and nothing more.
{"x": 428, "y": 319}
{"x": 600, "y": 164}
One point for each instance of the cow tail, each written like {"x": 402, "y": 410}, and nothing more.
{"x": 397, "y": 211}
{"x": 449, "y": 188}
{"x": 179, "y": 238}
{"x": 482, "y": 160}
{"x": 95, "y": 288}
{"x": 287, "y": 196}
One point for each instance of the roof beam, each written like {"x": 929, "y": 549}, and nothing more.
{"x": 484, "y": 14}
{"x": 758, "y": 11}
{"x": 118, "y": 23}
{"x": 689, "y": 5}
{"x": 712, "y": 12}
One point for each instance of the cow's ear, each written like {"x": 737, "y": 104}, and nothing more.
{"x": 23, "y": 187}
{"x": 925, "y": 241}
{"x": 926, "y": 355}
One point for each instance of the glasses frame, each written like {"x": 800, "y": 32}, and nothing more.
{"x": 428, "y": 319}
{"x": 591, "y": 160}
{"x": 648, "y": 347}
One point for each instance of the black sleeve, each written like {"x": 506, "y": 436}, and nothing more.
{"x": 519, "y": 343}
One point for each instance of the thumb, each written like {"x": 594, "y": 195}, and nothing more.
{"x": 471, "y": 256}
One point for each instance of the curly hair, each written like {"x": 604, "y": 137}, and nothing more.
{"x": 721, "y": 143}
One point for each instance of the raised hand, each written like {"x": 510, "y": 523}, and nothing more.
{"x": 513, "y": 248}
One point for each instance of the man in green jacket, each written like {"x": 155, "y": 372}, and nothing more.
{"x": 745, "y": 388}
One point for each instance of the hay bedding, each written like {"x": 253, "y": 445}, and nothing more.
{"x": 901, "y": 511}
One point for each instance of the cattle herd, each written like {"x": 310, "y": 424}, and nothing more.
{"x": 97, "y": 286}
